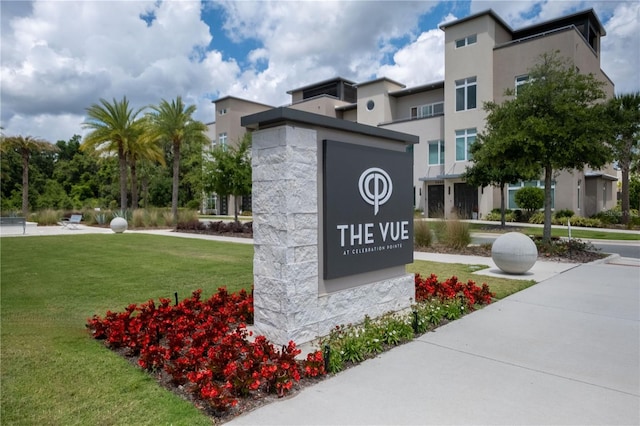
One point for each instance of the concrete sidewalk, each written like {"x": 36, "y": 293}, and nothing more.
{"x": 565, "y": 351}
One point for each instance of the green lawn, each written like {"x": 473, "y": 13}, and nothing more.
{"x": 600, "y": 234}
{"x": 54, "y": 373}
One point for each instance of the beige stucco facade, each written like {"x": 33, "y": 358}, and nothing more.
{"x": 483, "y": 58}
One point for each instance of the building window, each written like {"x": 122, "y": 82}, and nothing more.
{"x": 223, "y": 111}
{"x": 428, "y": 110}
{"x": 472, "y": 39}
{"x": 222, "y": 140}
{"x": 521, "y": 80}
{"x": 436, "y": 152}
{"x": 466, "y": 94}
{"x": 464, "y": 139}
{"x": 370, "y": 105}
{"x": 514, "y": 187}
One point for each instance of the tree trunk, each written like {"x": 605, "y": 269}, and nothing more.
{"x": 502, "y": 212}
{"x": 546, "y": 233}
{"x": 134, "y": 186}
{"x": 625, "y": 192}
{"x": 123, "y": 177}
{"x": 25, "y": 183}
{"x": 176, "y": 181}
{"x": 235, "y": 206}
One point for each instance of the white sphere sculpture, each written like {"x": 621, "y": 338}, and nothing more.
{"x": 118, "y": 225}
{"x": 514, "y": 253}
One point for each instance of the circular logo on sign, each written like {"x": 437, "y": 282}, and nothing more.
{"x": 375, "y": 187}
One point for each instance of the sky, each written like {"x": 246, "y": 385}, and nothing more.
{"x": 57, "y": 58}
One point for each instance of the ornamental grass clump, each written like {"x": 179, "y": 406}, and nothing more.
{"x": 456, "y": 234}
{"x": 422, "y": 233}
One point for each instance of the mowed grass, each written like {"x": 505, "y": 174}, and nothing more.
{"x": 556, "y": 231}
{"x": 52, "y": 371}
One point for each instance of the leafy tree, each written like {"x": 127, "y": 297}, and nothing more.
{"x": 26, "y": 147}
{"x": 634, "y": 192}
{"x": 624, "y": 118}
{"x": 496, "y": 161}
{"x": 75, "y": 167}
{"x": 114, "y": 128}
{"x": 173, "y": 122}
{"x": 229, "y": 172}
{"x": 556, "y": 122}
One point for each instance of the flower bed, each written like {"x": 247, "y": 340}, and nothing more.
{"x": 203, "y": 348}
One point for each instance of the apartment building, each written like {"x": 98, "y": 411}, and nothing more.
{"x": 483, "y": 58}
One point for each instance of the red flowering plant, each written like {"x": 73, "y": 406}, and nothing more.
{"x": 472, "y": 294}
{"x": 205, "y": 347}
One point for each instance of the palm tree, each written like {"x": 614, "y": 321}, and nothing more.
{"x": 173, "y": 122}
{"x": 114, "y": 129}
{"x": 26, "y": 146}
{"x": 625, "y": 120}
{"x": 144, "y": 149}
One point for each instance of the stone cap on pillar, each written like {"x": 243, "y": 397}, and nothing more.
{"x": 281, "y": 115}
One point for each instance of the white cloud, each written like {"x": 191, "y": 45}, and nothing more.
{"x": 58, "y": 58}
{"x": 621, "y": 48}
{"x": 419, "y": 62}
{"x": 311, "y": 41}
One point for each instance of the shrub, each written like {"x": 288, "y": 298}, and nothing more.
{"x": 537, "y": 217}
{"x": 422, "y": 233}
{"x": 585, "y": 221}
{"x": 530, "y": 198}
{"x": 495, "y": 215}
{"x": 564, "y": 213}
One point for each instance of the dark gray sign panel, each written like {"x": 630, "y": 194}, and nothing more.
{"x": 368, "y": 208}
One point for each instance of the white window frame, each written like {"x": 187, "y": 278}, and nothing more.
{"x": 520, "y": 80}
{"x": 222, "y": 139}
{"x": 223, "y": 111}
{"x": 466, "y": 41}
{"x": 465, "y": 85}
{"x": 440, "y": 145}
{"x": 426, "y": 110}
{"x": 466, "y": 135}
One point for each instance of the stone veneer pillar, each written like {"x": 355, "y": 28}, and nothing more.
{"x": 286, "y": 229}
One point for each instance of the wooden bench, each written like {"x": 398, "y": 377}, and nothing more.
{"x": 8, "y": 221}
{"x": 72, "y": 222}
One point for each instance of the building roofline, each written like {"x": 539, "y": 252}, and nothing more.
{"x": 346, "y": 107}
{"x": 489, "y": 12}
{"x": 567, "y": 18}
{"x": 495, "y": 16}
{"x": 280, "y": 115}
{"x": 377, "y": 80}
{"x": 224, "y": 98}
{"x": 318, "y": 83}
{"x": 418, "y": 89}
